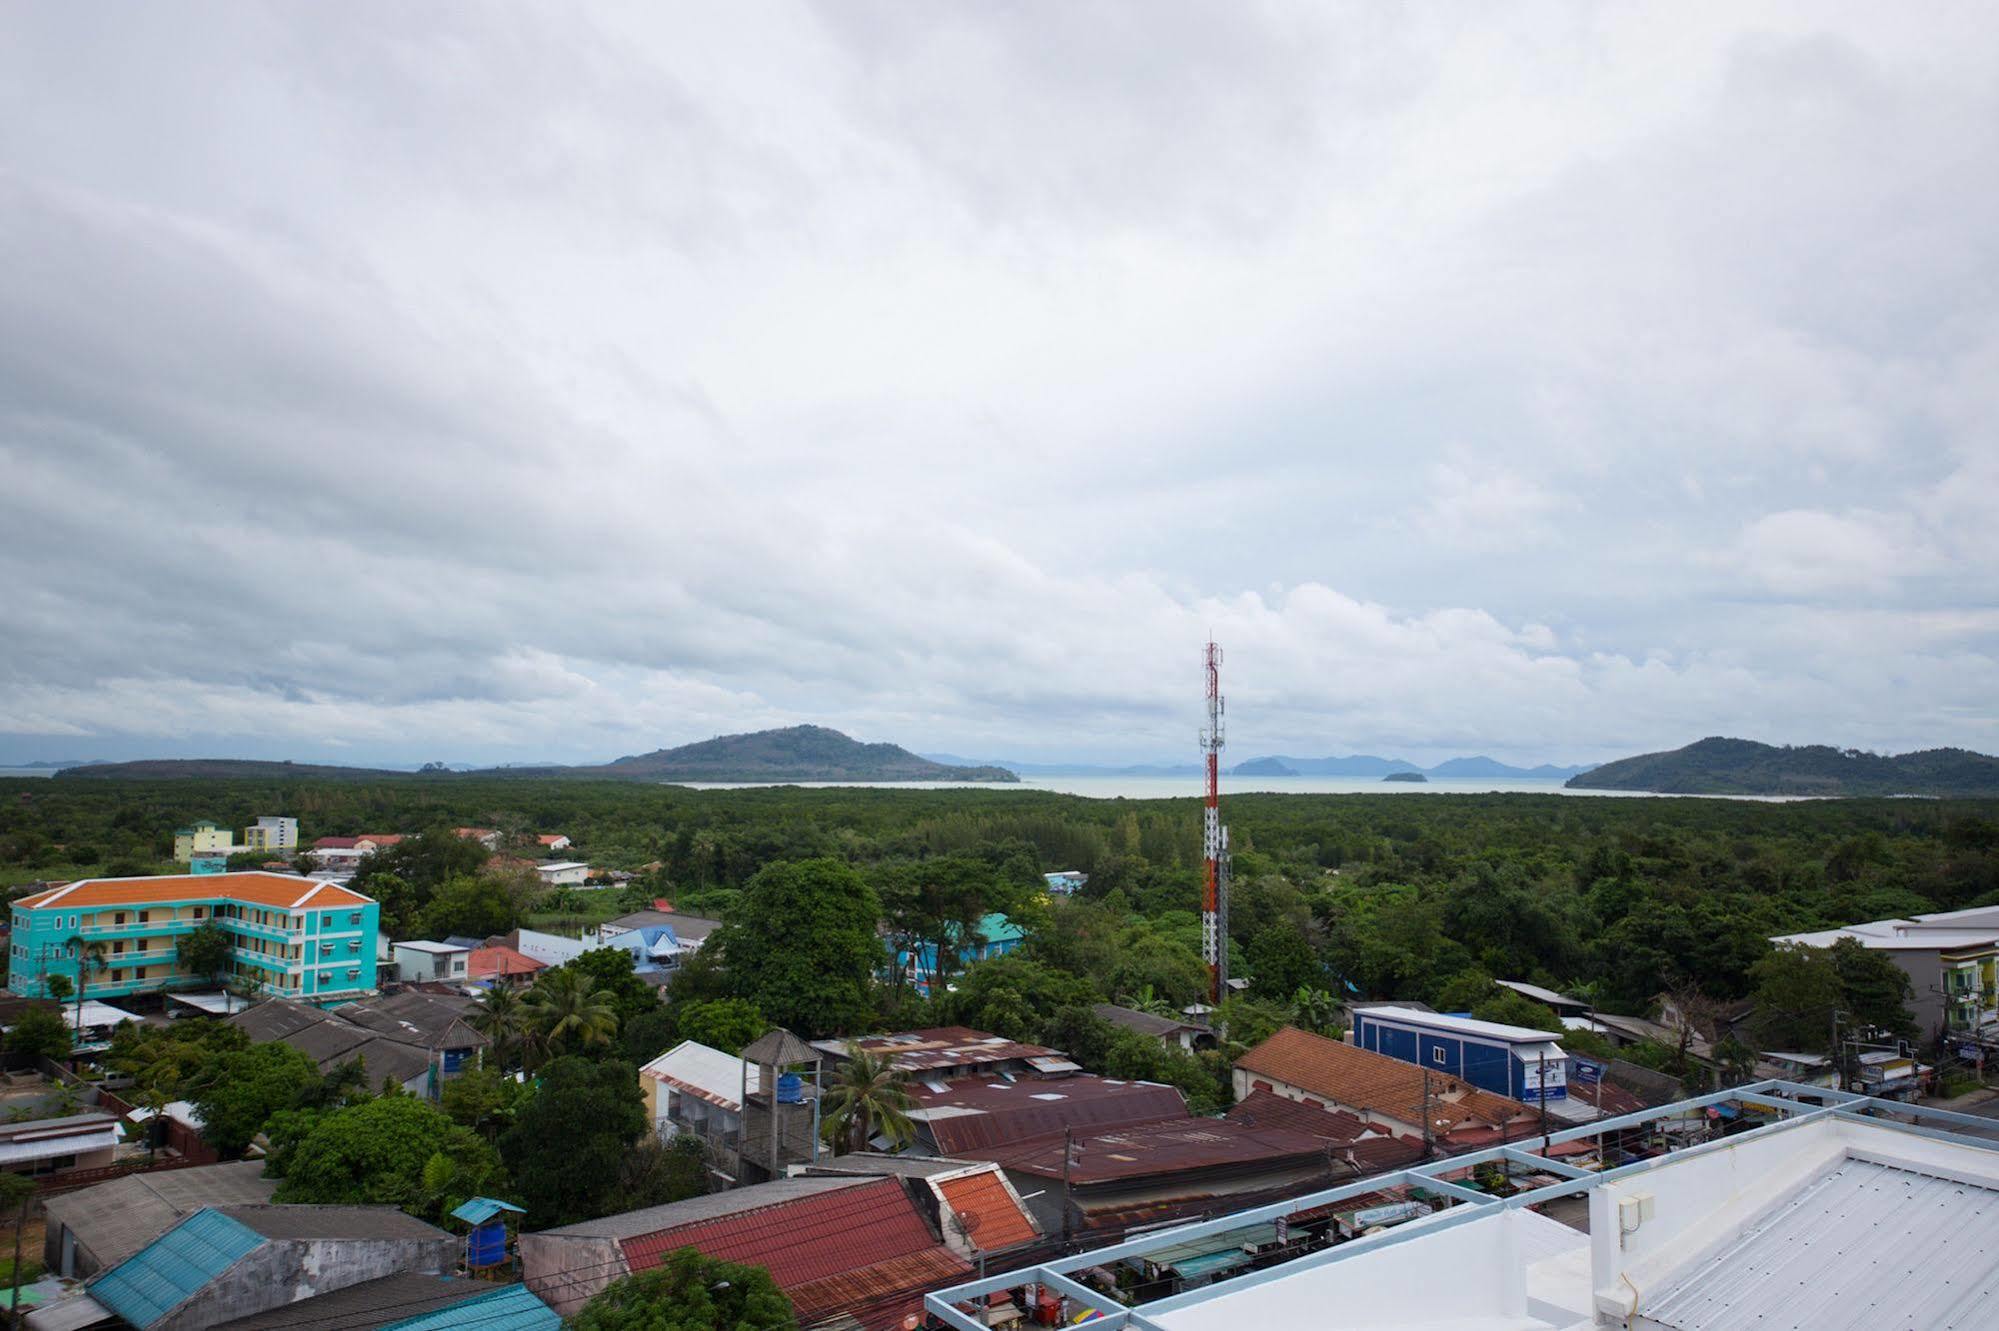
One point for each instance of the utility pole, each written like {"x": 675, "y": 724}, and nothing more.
{"x": 1429, "y": 1135}
{"x": 1068, "y": 1204}
{"x": 1541, "y": 1075}
{"x": 20, "y": 1223}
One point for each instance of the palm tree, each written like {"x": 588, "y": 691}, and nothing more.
{"x": 566, "y": 1010}
{"x": 91, "y": 959}
{"x": 1148, "y": 1000}
{"x": 868, "y": 1096}
{"x": 504, "y": 1020}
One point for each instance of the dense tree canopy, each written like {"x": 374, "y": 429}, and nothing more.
{"x": 570, "y": 1137}
{"x": 397, "y": 1150}
{"x": 237, "y": 1092}
{"x": 690, "y": 1292}
{"x": 802, "y": 946}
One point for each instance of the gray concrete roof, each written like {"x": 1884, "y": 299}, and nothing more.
{"x": 331, "y": 1222}
{"x": 631, "y": 1224}
{"x": 116, "y": 1219}
{"x": 367, "y": 1305}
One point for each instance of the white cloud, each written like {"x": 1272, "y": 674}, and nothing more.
{"x": 1551, "y": 382}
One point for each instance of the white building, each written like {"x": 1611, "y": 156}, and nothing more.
{"x": 423, "y": 960}
{"x": 272, "y": 833}
{"x": 563, "y": 873}
{"x": 1826, "y": 1217}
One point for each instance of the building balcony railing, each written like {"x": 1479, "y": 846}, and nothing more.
{"x": 135, "y": 927}
{"x": 266, "y": 959}
{"x": 141, "y": 958}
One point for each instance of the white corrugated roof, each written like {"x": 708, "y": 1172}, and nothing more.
{"x": 703, "y": 1071}
{"x": 1444, "y": 1021}
{"x": 1866, "y": 1246}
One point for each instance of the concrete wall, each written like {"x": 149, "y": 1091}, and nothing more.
{"x": 283, "y": 1271}
{"x": 566, "y": 1270}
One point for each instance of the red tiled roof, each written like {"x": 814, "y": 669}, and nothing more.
{"x": 490, "y": 961}
{"x": 996, "y": 1219}
{"x": 281, "y": 891}
{"x": 550, "y": 838}
{"x": 335, "y": 843}
{"x": 803, "y": 1239}
{"x": 1365, "y": 1080}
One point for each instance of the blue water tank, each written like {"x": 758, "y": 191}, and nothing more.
{"x": 486, "y": 1245}
{"x": 790, "y": 1088}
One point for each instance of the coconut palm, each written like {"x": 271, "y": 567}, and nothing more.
{"x": 92, "y": 958}
{"x": 505, "y": 1020}
{"x": 565, "y": 1010}
{"x": 867, "y": 1096}
{"x": 1147, "y": 999}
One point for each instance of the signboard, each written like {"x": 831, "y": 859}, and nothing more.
{"x": 1586, "y": 1071}
{"x": 1392, "y": 1214}
{"x": 1544, "y": 1078}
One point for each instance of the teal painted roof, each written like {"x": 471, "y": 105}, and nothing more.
{"x": 508, "y": 1308}
{"x": 481, "y": 1209}
{"x": 999, "y": 929}
{"x": 158, "y": 1278}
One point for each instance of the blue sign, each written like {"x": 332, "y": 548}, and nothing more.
{"x": 1587, "y": 1070}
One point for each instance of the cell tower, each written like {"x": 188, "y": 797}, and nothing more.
{"x": 1215, "y": 841}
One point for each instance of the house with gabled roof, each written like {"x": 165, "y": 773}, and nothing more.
{"x": 1405, "y": 1099}
{"x": 858, "y": 1246}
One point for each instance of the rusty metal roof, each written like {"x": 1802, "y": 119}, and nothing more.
{"x": 1161, "y": 1148}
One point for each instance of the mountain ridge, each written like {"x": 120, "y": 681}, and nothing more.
{"x": 1719, "y": 765}
{"x": 793, "y": 753}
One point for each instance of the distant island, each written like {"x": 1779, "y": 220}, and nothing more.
{"x": 797, "y": 753}
{"x": 1406, "y": 776}
{"x": 1262, "y": 767}
{"x": 226, "y": 769}
{"x": 1718, "y": 766}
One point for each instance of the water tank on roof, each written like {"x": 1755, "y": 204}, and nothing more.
{"x": 790, "y": 1089}
{"x": 486, "y": 1245}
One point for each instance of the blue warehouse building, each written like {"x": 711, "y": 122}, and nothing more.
{"x": 1515, "y": 1061}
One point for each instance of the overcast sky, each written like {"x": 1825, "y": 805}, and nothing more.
{"x": 487, "y": 382}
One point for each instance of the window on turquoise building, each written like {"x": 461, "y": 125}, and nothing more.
{"x": 354, "y": 975}
{"x": 355, "y": 919}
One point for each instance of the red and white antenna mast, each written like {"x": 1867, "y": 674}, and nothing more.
{"x": 1215, "y": 842}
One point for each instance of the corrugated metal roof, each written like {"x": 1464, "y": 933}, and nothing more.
{"x": 114, "y": 1220}
{"x": 805, "y": 1239}
{"x": 160, "y": 1276}
{"x": 1867, "y": 1246}
{"x": 511, "y": 1308}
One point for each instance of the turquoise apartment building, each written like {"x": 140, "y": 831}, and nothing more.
{"x": 114, "y": 937}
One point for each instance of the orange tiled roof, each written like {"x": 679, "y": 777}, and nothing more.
{"x": 1362, "y": 1079}
{"x": 282, "y": 891}
{"x": 996, "y": 1218}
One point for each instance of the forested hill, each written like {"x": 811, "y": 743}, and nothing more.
{"x": 221, "y": 769}
{"x": 798, "y": 753}
{"x": 1744, "y": 767}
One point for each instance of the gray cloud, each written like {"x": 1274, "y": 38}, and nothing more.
{"x": 496, "y": 384}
